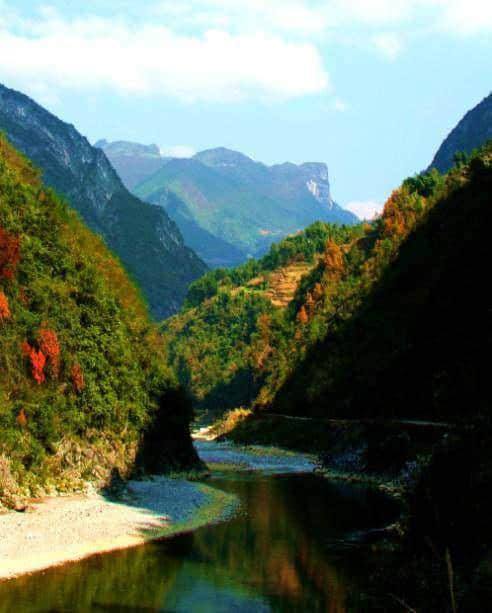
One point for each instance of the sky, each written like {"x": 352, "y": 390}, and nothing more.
{"x": 371, "y": 87}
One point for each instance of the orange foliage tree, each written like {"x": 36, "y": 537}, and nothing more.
{"x": 49, "y": 345}
{"x": 333, "y": 259}
{"x": 4, "y": 307}
{"x": 9, "y": 254}
{"x": 77, "y": 376}
{"x": 302, "y": 316}
{"x": 21, "y": 419}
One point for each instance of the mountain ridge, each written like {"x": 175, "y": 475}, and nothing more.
{"x": 471, "y": 132}
{"x": 146, "y": 240}
{"x": 244, "y": 203}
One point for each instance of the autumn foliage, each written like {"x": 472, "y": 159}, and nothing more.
{"x": 37, "y": 360}
{"x": 49, "y": 345}
{"x": 302, "y": 316}
{"x": 21, "y": 419}
{"x": 333, "y": 259}
{"x": 4, "y": 307}
{"x": 9, "y": 254}
{"x": 77, "y": 376}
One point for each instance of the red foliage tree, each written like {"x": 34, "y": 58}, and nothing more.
{"x": 4, "y": 307}
{"x": 38, "y": 361}
{"x": 9, "y": 254}
{"x": 77, "y": 377}
{"x": 49, "y": 345}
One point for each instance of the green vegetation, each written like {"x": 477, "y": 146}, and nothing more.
{"x": 216, "y": 343}
{"x": 81, "y": 364}
{"x": 375, "y": 299}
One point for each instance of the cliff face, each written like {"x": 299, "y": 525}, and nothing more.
{"x": 473, "y": 131}
{"x": 148, "y": 243}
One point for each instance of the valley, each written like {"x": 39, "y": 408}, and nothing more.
{"x": 219, "y": 385}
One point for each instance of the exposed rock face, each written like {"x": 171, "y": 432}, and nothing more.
{"x": 473, "y": 131}
{"x": 228, "y": 206}
{"x": 148, "y": 243}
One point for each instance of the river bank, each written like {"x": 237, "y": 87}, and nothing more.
{"x": 57, "y": 530}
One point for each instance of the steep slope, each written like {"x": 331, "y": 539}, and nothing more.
{"x": 473, "y": 131}
{"x": 228, "y": 206}
{"x": 148, "y": 243}
{"x": 82, "y": 369}
{"x": 418, "y": 344}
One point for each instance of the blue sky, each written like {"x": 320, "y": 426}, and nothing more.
{"x": 371, "y": 87}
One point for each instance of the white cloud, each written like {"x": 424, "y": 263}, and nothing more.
{"x": 367, "y": 209}
{"x": 178, "y": 151}
{"x": 339, "y": 105}
{"x": 293, "y": 16}
{"x": 312, "y": 17}
{"x": 388, "y": 44}
{"x": 212, "y": 66}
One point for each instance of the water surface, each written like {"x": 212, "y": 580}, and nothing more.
{"x": 291, "y": 548}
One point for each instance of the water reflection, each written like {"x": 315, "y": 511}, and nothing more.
{"x": 279, "y": 554}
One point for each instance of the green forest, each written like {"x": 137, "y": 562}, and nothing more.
{"x": 82, "y": 367}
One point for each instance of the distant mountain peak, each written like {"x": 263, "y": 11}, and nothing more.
{"x": 222, "y": 157}
{"x": 128, "y": 149}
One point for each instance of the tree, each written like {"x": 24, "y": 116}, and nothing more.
{"x": 302, "y": 316}
{"x": 4, "y": 307}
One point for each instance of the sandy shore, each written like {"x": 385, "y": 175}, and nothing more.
{"x": 63, "y": 529}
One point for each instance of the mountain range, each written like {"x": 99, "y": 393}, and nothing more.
{"x": 143, "y": 236}
{"x": 228, "y": 206}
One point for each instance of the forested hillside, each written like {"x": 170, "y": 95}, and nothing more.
{"x": 217, "y": 344}
{"x": 412, "y": 340}
{"x": 82, "y": 368}
{"x": 376, "y": 303}
{"x": 148, "y": 243}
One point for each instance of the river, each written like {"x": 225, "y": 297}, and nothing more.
{"x": 293, "y": 546}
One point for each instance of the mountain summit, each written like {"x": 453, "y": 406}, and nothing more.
{"x": 148, "y": 243}
{"x": 228, "y": 206}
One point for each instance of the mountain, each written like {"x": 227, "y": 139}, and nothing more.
{"x": 229, "y": 207}
{"x": 333, "y": 320}
{"x": 133, "y": 162}
{"x": 148, "y": 243}
{"x": 83, "y": 375}
{"x": 473, "y": 131}
{"x": 416, "y": 344}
